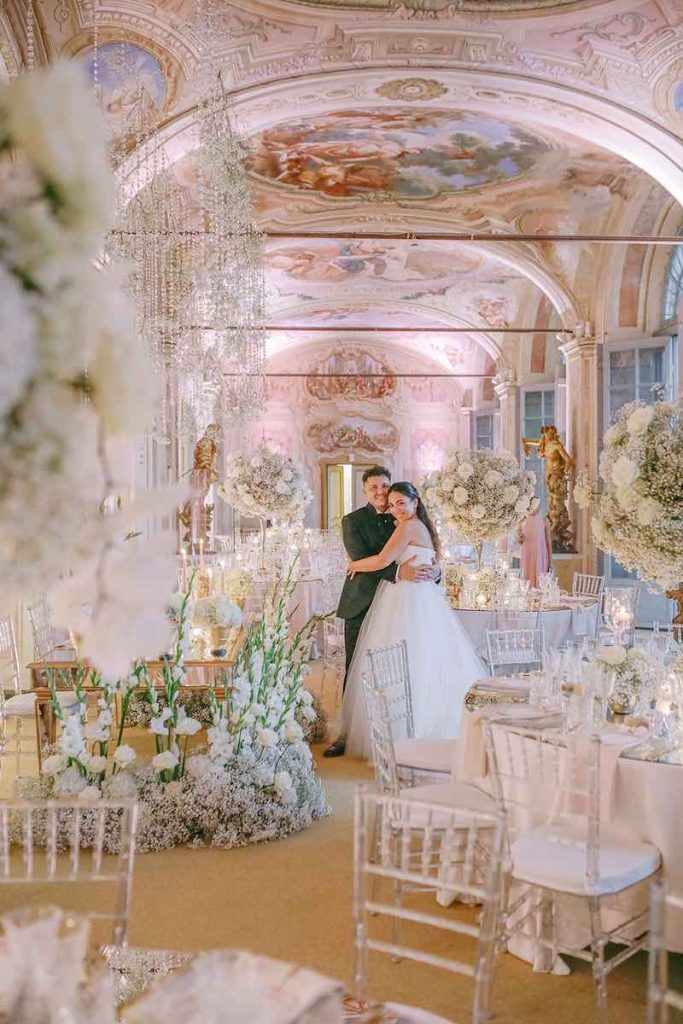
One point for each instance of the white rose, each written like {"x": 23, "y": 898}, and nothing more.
{"x": 624, "y": 472}
{"x": 522, "y": 506}
{"x": 284, "y": 787}
{"x": 493, "y": 478}
{"x": 447, "y": 481}
{"x": 477, "y": 512}
{"x": 640, "y": 419}
{"x": 459, "y": 496}
{"x": 167, "y": 760}
{"x": 96, "y": 763}
{"x": 465, "y": 470}
{"x": 648, "y": 512}
{"x": 266, "y": 737}
{"x": 54, "y": 764}
{"x": 628, "y": 498}
{"x": 612, "y": 656}
{"x": 510, "y": 494}
{"x": 89, "y": 795}
{"x": 17, "y": 340}
{"x": 124, "y": 755}
{"x": 612, "y": 434}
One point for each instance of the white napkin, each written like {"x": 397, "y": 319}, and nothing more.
{"x": 231, "y": 988}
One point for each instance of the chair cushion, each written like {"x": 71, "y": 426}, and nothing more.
{"x": 464, "y": 796}
{"x": 554, "y": 856}
{"x": 24, "y": 703}
{"x": 429, "y": 755}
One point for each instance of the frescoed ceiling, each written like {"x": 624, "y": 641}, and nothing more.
{"x": 377, "y": 117}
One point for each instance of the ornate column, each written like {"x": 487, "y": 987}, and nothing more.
{"x": 580, "y": 350}
{"x": 507, "y": 390}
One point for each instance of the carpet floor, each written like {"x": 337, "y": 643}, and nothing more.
{"x": 292, "y": 900}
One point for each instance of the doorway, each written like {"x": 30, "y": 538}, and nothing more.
{"x": 342, "y": 492}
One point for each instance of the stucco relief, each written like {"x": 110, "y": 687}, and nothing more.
{"x": 361, "y": 376}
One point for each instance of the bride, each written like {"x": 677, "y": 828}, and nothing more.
{"x": 442, "y": 661}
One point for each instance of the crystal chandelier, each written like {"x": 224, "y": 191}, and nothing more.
{"x": 196, "y": 274}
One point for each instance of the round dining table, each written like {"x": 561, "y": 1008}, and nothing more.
{"x": 571, "y": 622}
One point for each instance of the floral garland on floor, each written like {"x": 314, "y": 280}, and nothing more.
{"x": 481, "y": 494}
{"x": 639, "y": 514}
{"x": 76, "y": 383}
{"x": 266, "y": 484}
{"x": 254, "y": 781}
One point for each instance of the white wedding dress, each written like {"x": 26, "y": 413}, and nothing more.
{"x": 443, "y": 663}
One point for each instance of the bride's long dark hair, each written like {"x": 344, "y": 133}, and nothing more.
{"x": 408, "y": 490}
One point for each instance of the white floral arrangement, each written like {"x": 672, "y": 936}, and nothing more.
{"x": 76, "y": 383}
{"x": 266, "y": 484}
{"x": 635, "y": 671}
{"x": 639, "y": 514}
{"x": 255, "y": 781}
{"x": 482, "y": 494}
{"x": 217, "y": 610}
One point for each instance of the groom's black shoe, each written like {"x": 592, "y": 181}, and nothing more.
{"x": 336, "y": 749}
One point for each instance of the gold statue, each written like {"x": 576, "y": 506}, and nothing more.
{"x": 558, "y": 467}
{"x": 196, "y": 515}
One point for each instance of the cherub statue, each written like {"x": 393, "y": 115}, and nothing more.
{"x": 558, "y": 468}
{"x": 196, "y": 513}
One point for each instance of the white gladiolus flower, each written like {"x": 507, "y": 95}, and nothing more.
{"x": 124, "y": 755}
{"x": 640, "y": 419}
{"x": 624, "y": 472}
{"x": 185, "y": 725}
{"x": 612, "y": 656}
{"x": 89, "y": 795}
{"x": 54, "y": 764}
{"x": 465, "y": 470}
{"x": 165, "y": 761}
{"x": 96, "y": 733}
{"x": 293, "y": 731}
{"x": 266, "y": 737}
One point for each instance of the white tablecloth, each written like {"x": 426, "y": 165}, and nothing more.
{"x": 558, "y": 624}
{"x": 648, "y": 806}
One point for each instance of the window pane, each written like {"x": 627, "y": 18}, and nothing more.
{"x": 533, "y": 405}
{"x": 548, "y": 406}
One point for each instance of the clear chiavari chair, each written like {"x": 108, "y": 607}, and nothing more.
{"x": 547, "y": 784}
{"x": 63, "y": 843}
{"x": 334, "y": 648}
{"x": 514, "y": 650}
{"x": 661, "y": 998}
{"x": 585, "y": 585}
{"x": 390, "y": 671}
{"x": 409, "y": 863}
{"x": 45, "y": 636}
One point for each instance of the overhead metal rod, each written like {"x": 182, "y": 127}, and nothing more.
{"x": 380, "y": 376}
{"x": 473, "y": 236}
{"x": 346, "y": 329}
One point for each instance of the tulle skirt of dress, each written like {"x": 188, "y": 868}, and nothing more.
{"x": 443, "y": 663}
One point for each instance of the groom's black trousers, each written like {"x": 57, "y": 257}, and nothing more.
{"x": 351, "y": 630}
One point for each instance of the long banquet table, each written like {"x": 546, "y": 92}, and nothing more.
{"x": 647, "y": 802}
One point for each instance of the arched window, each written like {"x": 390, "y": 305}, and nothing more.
{"x": 673, "y": 285}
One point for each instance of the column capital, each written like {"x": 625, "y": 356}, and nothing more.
{"x": 504, "y": 382}
{"x": 579, "y": 342}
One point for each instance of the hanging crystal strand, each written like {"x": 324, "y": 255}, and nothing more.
{"x": 30, "y": 36}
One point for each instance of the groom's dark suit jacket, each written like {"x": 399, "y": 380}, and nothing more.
{"x": 365, "y": 532}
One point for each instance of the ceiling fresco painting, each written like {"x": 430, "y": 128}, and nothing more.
{"x": 132, "y": 83}
{"x": 416, "y": 154}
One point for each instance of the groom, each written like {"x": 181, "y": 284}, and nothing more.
{"x": 365, "y": 532}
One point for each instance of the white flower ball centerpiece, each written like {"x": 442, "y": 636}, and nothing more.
{"x": 639, "y": 514}
{"x": 268, "y": 485}
{"x": 219, "y": 615}
{"x": 481, "y": 494}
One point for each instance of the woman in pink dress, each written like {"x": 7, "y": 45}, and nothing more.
{"x": 534, "y": 536}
